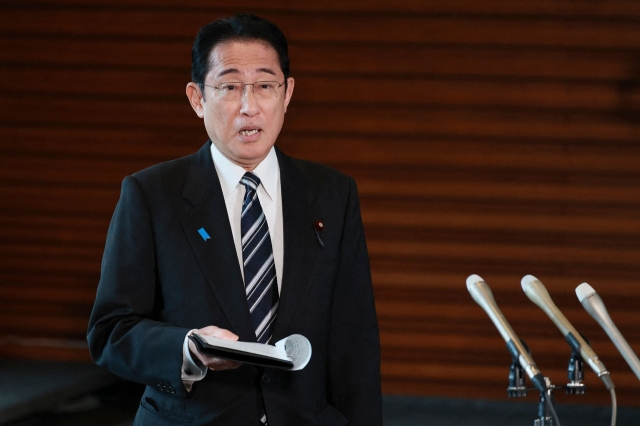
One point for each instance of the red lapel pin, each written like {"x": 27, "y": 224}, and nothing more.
{"x": 319, "y": 226}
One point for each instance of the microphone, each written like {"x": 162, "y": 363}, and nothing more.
{"x": 481, "y": 293}
{"x": 539, "y": 295}
{"x": 595, "y": 307}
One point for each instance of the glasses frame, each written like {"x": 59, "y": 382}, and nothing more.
{"x": 244, "y": 87}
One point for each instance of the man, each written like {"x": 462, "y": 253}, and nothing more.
{"x": 239, "y": 241}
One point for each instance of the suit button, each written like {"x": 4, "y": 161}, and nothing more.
{"x": 266, "y": 378}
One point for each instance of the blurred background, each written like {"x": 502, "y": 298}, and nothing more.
{"x": 492, "y": 137}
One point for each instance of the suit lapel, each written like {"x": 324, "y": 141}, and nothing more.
{"x": 300, "y": 245}
{"x": 214, "y": 248}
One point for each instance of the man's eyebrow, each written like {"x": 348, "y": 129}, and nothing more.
{"x": 235, "y": 71}
{"x": 227, "y": 71}
{"x": 267, "y": 70}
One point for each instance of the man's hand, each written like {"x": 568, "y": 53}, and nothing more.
{"x": 213, "y": 363}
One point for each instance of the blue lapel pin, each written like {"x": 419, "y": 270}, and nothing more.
{"x": 204, "y": 234}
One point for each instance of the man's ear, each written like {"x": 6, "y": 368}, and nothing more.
{"x": 195, "y": 98}
{"x": 288, "y": 93}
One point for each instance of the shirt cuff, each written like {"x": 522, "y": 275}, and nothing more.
{"x": 192, "y": 370}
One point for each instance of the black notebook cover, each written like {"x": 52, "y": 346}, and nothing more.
{"x": 239, "y": 356}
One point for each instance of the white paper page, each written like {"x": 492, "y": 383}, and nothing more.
{"x": 297, "y": 349}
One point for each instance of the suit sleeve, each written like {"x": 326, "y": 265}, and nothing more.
{"x": 354, "y": 351}
{"x": 125, "y": 335}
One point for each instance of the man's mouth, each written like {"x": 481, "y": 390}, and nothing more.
{"x": 250, "y": 132}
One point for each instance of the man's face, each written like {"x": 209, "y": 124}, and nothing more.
{"x": 243, "y": 130}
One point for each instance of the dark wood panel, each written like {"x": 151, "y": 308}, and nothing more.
{"x": 449, "y": 285}
{"x": 464, "y": 61}
{"x": 510, "y": 175}
{"x": 450, "y": 92}
{"x": 39, "y": 352}
{"x": 517, "y": 154}
{"x": 38, "y": 168}
{"x": 490, "y": 206}
{"x": 39, "y": 294}
{"x": 448, "y": 347}
{"x": 547, "y": 227}
{"x": 40, "y": 257}
{"x": 458, "y": 92}
{"x": 90, "y": 112}
{"x": 38, "y": 161}
{"x": 439, "y": 121}
{"x": 390, "y": 60}
{"x": 45, "y": 229}
{"x": 75, "y": 202}
{"x": 516, "y": 191}
{"x": 462, "y": 228}
{"x": 85, "y": 256}
{"x": 45, "y": 308}
{"x": 147, "y": 84}
{"x": 584, "y": 8}
{"x": 60, "y": 171}
{"x": 78, "y": 52}
{"x": 481, "y": 257}
{"x": 392, "y": 120}
{"x": 525, "y": 153}
{"x": 579, "y": 271}
{"x": 322, "y": 59}
{"x": 71, "y": 279}
{"x": 48, "y": 197}
{"x": 150, "y": 145}
{"x": 54, "y": 263}
{"x": 464, "y": 29}
{"x": 455, "y": 308}
{"x": 54, "y": 325}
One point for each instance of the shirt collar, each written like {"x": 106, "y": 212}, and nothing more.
{"x": 230, "y": 173}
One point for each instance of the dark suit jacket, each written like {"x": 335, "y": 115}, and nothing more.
{"x": 160, "y": 279}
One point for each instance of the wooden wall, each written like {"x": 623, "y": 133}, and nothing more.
{"x": 489, "y": 137}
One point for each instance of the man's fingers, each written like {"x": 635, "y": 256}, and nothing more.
{"x": 213, "y": 363}
{"x": 219, "y": 364}
{"x": 218, "y": 332}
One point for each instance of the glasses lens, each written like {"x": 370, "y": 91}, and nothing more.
{"x": 229, "y": 91}
{"x": 265, "y": 89}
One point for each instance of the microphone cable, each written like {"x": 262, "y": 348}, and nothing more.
{"x": 614, "y": 407}
{"x": 553, "y": 410}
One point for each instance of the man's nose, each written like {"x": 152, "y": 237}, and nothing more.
{"x": 249, "y": 102}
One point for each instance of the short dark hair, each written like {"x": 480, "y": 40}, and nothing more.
{"x": 241, "y": 27}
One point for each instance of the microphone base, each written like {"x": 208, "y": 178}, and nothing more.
{"x": 516, "y": 392}
{"x": 575, "y": 388}
{"x": 543, "y": 421}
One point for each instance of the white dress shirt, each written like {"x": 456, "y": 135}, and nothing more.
{"x": 233, "y": 191}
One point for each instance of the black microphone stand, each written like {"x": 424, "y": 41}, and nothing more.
{"x": 576, "y": 368}
{"x": 543, "y": 419}
{"x": 517, "y": 388}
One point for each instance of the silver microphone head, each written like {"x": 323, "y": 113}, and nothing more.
{"x": 583, "y": 291}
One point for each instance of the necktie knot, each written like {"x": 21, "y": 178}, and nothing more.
{"x": 251, "y": 181}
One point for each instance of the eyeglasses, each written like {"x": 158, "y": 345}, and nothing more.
{"x": 235, "y": 90}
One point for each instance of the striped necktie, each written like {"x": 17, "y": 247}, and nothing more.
{"x": 261, "y": 283}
